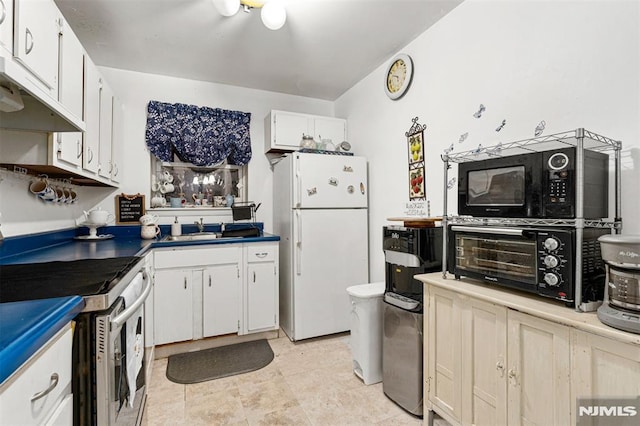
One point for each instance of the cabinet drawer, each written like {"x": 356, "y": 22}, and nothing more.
{"x": 180, "y": 258}
{"x": 36, "y": 376}
{"x": 261, "y": 253}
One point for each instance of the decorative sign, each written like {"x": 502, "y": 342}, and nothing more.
{"x": 415, "y": 140}
{"x": 129, "y": 208}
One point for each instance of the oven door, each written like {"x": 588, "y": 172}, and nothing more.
{"x": 506, "y": 256}
{"x": 119, "y": 334}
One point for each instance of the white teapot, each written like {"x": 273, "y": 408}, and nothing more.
{"x": 149, "y": 219}
{"x": 98, "y": 216}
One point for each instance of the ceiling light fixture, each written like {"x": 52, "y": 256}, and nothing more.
{"x": 273, "y": 13}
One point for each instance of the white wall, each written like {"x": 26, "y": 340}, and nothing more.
{"x": 571, "y": 63}
{"x": 23, "y": 214}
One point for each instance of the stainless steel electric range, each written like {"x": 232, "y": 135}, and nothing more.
{"x": 101, "y": 392}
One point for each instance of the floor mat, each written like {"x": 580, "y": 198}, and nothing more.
{"x": 215, "y": 363}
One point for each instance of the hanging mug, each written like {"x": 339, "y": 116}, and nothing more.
{"x": 42, "y": 190}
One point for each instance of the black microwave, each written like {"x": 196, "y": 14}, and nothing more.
{"x": 534, "y": 185}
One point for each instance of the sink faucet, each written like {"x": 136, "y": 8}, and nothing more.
{"x": 200, "y": 225}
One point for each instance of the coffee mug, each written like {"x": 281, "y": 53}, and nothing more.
{"x": 149, "y": 232}
{"x": 149, "y": 219}
{"x": 60, "y": 197}
{"x": 167, "y": 187}
{"x": 42, "y": 189}
{"x": 166, "y": 177}
{"x": 175, "y": 202}
{"x": 158, "y": 201}
{"x": 219, "y": 201}
{"x": 73, "y": 197}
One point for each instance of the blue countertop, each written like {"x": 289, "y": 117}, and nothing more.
{"x": 26, "y": 326}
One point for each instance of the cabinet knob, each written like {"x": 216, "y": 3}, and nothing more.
{"x": 513, "y": 378}
{"x": 500, "y": 368}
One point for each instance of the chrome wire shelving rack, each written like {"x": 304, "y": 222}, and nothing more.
{"x": 580, "y": 138}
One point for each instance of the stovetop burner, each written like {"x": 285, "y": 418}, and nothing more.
{"x": 85, "y": 277}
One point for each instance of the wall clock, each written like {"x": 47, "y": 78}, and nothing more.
{"x": 398, "y": 76}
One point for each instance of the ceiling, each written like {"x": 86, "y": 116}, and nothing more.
{"x": 324, "y": 48}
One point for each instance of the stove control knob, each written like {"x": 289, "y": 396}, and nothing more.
{"x": 551, "y": 244}
{"x": 551, "y": 279}
{"x": 551, "y": 261}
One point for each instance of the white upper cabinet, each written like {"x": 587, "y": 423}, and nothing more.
{"x": 36, "y": 40}
{"x": 117, "y": 143}
{"x": 71, "y": 70}
{"x": 91, "y": 137}
{"x": 106, "y": 130}
{"x": 6, "y": 25}
{"x": 284, "y": 130}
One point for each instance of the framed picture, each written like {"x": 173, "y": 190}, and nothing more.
{"x": 416, "y": 147}
{"x": 416, "y": 183}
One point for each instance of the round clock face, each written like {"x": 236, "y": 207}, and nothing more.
{"x": 398, "y": 76}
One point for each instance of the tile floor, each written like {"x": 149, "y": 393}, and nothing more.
{"x": 307, "y": 383}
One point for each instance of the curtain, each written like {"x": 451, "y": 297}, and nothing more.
{"x": 202, "y": 136}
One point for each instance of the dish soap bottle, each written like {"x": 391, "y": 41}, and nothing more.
{"x": 176, "y": 228}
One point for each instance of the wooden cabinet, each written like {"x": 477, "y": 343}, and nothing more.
{"x": 36, "y": 40}
{"x": 538, "y": 371}
{"x": 24, "y": 399}
{"x": 261, "y": 287}
{"x": 604, "y": 367}
{"x": 501, "y": 357}
{"x": 6, "y": 25}
{"x": 284, "y": 130}
{"x": 173, "y": 306}
{"x": 489, "y": 365}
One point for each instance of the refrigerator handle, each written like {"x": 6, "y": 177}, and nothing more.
{"x": 298, "y": 253}
{"x": 298, "y": 202}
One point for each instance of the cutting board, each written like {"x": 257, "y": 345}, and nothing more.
{"x": 417, "y": 222}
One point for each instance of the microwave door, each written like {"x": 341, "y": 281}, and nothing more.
{"x": 505, "y": 255}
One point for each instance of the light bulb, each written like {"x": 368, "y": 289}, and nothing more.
{"x": 227, "y": 7}
{"x": 273, "y": 15}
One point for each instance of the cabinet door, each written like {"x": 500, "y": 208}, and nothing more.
{"x": 538, "y": 371}
{"x": 172, "y": 306}
{"x": 288, "y": 129}
{"x": 334, "y": 129}
{"x": 262, "y": 293}
{"x": 36, "y": 39}
{"x": 91, "y": 141}
{"x": 484, "y": 360}
{"x": 6, "y": 25}
{"x": 70, "y": 91}
{"x": 604, "y": 368}
{"x": 63, "y": 414}
{"x": 69, "y": 148}
{"x": 445, "y": 360}
{"x": 221, "y": 300}
{"x": 106, "y": 131}
{"x": 116, "y": 140}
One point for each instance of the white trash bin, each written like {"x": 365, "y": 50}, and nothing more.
{"x": 366, "y": 331}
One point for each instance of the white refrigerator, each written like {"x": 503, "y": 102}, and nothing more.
{"x": 320, "y": 214}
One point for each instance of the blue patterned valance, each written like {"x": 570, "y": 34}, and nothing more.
{"x": 201, "y": 136}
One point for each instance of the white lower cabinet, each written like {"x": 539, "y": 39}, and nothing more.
{"x": 205, "y": 292}
{"x": 490, "y": 365}
{"x": 39, "y": 392}
{"x": 261, "y": 287}
{"x": 172, "y": 306}
{"x": 221, "y": 300}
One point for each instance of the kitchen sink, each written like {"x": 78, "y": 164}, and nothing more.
{"x": 196, "y": 236}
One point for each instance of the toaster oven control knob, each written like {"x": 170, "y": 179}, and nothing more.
{"x": 551, "y": 279}
{"x": 551, "y": 244}
{"x": 551, "y": 261}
